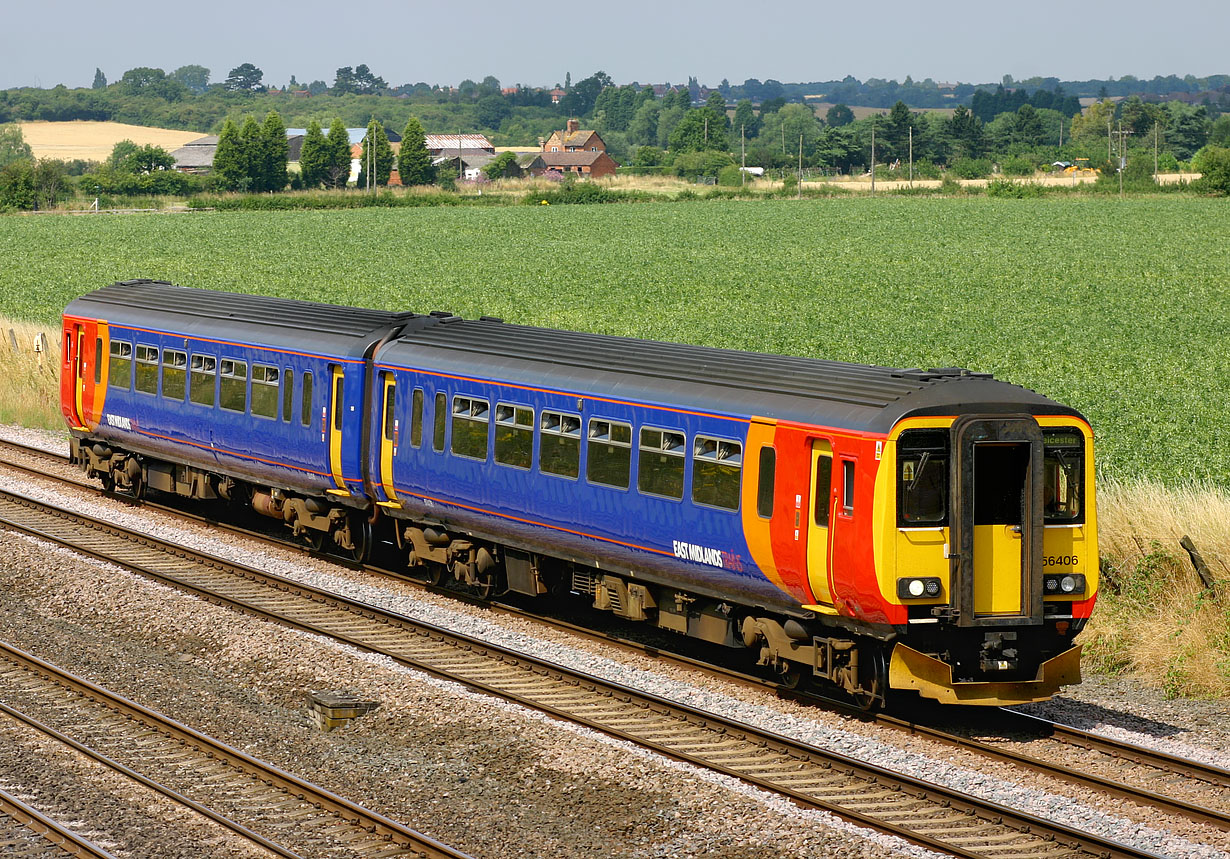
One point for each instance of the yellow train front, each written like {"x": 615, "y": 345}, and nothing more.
{"x": 952, "y": 553}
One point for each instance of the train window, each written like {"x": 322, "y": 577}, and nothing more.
{"x": 264, "y": 390}
{"x": 174, "y": 374}
{"x": 339, "y": 401}
{"x": 847, "y": 482}
{"x": 559, "y": 445}
{"x": 390, "y": 411}
{"x": 416, "y": 418}
{"x": 288, "y": 393}
{"x": 514, "y": 435}
{"x": 119, "y": 373}
{"x": 305, "y": 404}
{"x": 922, "y": 479}
{"x": 471, "y": 419}
{"x": 609, "y": 453}
{"x": 203, "y": 379}
{"x": 437, "y": 432}
{"x": 717, "y": 467}
{"x": 1063, "y": 466}
{"x": 233, "y": 387}
{"x": 768, "y": 477}
{"x": 660, "y": 463}
{"x": 823, "y": 486}
{"x": 147, "y": 369}
{"x": 98, "y": 361}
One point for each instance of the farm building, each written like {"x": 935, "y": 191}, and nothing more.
{"x": 196, "y": 156}
{"x": 592, "y": 164}
{"x": 458, "y": 144}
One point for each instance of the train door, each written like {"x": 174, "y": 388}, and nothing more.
{"x": 818, "y": 521}
{"x": 390, "y": 430}
{"x": 74, "y": 344}
{"x": 999, "y": 520}
{"x": 336, "y": 420}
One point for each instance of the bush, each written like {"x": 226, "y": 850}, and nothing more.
{"x": 17, "y": 185}
{"x": 582, "y": 193}
{"x": 1213, "y": 163}
{"x": 694, "y": 165}
{"x": 790, "y": 184}
{"x": 1017, "y": 166}
{"x": 950, "y": 185}
{"x": 1000, "y": 187}
{"x": 970, "y": 168}
{"x": 925, "y": 168}
{"x": 730, "y": 176}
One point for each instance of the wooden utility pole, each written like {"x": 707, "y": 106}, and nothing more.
{"x": 743, "y": 153}
{"x": 799, "y": 195}
{"x": 1155, "y": 131}
{"x": 873, "y": 156}
{"x": 911, "y": 156}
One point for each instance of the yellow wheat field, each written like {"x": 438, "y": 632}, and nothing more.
{"x": 92, "y": 141}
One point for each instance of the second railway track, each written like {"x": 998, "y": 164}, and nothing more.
{"x": 934, "y": 816}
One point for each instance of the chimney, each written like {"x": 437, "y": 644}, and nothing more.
{"x": 573, "y": 126}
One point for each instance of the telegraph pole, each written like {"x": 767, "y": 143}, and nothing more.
{"x": 1155, "y": 129}
{"x": 800, "y": 193}
{"x": 743, "y": 152}
{"x": 911, "y": 156}
{"x": 873, "y": 156}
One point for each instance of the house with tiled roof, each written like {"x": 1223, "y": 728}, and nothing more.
{"x": 591, "y": 164}
{"x": 574, "y": 139}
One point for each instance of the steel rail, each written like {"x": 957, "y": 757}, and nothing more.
{"x": 51, "y": 832}
{"x": 380, "y": 830}
{"x": 866, "y": 794}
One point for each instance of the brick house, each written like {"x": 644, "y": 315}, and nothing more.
{"x": 573, "y": 139}
{"x": 592, "y": 164}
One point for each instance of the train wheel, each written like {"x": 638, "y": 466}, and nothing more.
{"x": 315, "y": 539}
{"x": 108, "y": 481}
{"x": 873, "y": 679}
{"x": 360, "y": 537}
{"x": 437, "y": 574}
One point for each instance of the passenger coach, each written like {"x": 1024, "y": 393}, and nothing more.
{"x": 868, "y": 527}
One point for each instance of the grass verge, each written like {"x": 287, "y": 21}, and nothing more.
{"x": 29, "y": 381}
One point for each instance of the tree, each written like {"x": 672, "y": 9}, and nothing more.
{"x": 245, "y": 78}
{"x": 965, "y": 133}
{"x": 272, "y": 154}
{"x": 505, "y": 164}
{"x": 50, "y": 179}
{"x": 144, "y": 81}
{"x": 144, "y": 160}
{"x": 839, "y": 115}
{"x": 1027, "y": 129}
{"x": 195, "y": 78}
{"x": 121, "y": 152}
{"x": 1213, "y": 162}
{"x": 364, "y": 82}
{"x": 100, "y": 80}
{"x": 580, "y": 99}
{"x": 377, "y": 156}
{"x": 230, "y": 168}
{"x": 1219, "y": 133}
{"x": 745, "y": 125}
{"x": 717, "y": 103}
{"x": 1091, "y": 123}
{"x": 343, "y": 81}
{"x": 314, "y": 156}
{"x": 251, "y": 145}
{"x": 13, "y": 146}
{"x": 17, "y": 185}
{"x": 337, "y": 171}
{"x": 414, "y": 161}
{"x": 699, "y": 130}
{"x": 491, "y": 111}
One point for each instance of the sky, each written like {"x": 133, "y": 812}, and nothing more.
{"x": 51, "y": 42}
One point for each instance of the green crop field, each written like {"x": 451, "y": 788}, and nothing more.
{"x": 1118, "y": 308}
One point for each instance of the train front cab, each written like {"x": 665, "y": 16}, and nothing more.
{"x": 990, "y": 547}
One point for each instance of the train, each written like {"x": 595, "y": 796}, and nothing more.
{"x": 871, "y": 530}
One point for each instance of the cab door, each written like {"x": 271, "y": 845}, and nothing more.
{"x": 390, "y": 430}
{"x": 336, "y": 418}
{"x": 819, "y": 520}
{"x": 998, "y": 523}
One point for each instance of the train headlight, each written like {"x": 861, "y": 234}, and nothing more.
{"x": 919, "y": 588}
{"x": 1072, "y": 583}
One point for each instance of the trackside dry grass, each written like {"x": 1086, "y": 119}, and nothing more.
{"x": 29, "y": 388}
{"x": 1155, "y": 619}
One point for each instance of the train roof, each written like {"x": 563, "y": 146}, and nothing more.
{"x": 329, "y": 329}
{"x": 852, "y": 396}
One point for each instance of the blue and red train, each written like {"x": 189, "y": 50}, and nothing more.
{"x": 873, "y": 528}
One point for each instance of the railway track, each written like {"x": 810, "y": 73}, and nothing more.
{"x": 1149, "y": 777}
{"x": 27, "y": 834}
{"x": 264, "y": 805}
{"x": 933, "y": 816}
